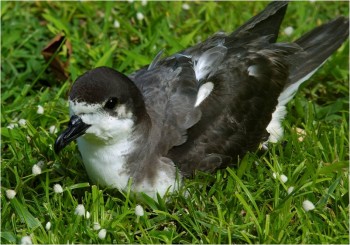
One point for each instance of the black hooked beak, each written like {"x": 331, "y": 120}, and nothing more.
{"x": 76, "y": 128}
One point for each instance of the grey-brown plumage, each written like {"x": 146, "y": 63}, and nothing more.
{"x": 206, "y": 106}
{"x": 235, "y": 116}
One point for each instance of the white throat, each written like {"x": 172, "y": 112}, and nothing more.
{"x": 106, "y": 164}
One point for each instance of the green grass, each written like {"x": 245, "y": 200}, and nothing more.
{"x": 245, "y": 204}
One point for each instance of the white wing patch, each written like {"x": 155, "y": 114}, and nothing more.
{"x": 253, "y": 70}
{"x": 208, "y": 62}
{"x": 204, "y": 92}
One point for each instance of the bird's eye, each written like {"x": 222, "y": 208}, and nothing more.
{"x": 111, "y": 103}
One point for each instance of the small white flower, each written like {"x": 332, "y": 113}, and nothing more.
{"x": 185, "y": 6}
{"x": 140, "y": 16}
{"x": 36, "y": 170}
{"x": 116, "y": 24}
{"x": 12, "y": 125}
{"x": 57, "y": 188}
{"x": 130, "y": 1}
{"x": 265, "y": 146}
{"x": 26, "y": 240}
{"x": 48, "y": 226}
{"x": 96, "y": 226}
{"x": 301, "y": 133}
{"x": 143, "y": 2}
{"x": 289, "y": 30}
{"x": 40, "y": 110}
{"x": 290, "y": 189}
{"x": 102, "y": 234}
{"x": 307, "y": 205}
{"x": 53, "y": 129}
{"x": 10, "y": 194}
{"x": 284, "y": 178}
{"x": 274, "y": 175}
{"x": 80, "y": 210}
{"x": 87, "y": 215}
{"x": 139, "y": 210}
{"x": 22, "y": 122}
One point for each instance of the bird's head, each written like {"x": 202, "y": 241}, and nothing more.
{"x": 105, "y": 105}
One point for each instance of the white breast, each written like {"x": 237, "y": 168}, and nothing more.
{"x": 105, "y": 164}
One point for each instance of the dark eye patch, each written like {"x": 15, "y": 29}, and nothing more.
{"x": 111, "y": 103}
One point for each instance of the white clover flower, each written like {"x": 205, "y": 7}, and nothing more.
{"x": 26, "y": 240}
{"x": 139, "y": 210}
{"x": 140, "y": 16}
{"x": 10, "y": 193}
{"x": 40, "y": 110}
{"x": 48, "y": 226}
{"x": 12, "y": 125}
{"x": 36, "y": 169}
{"x": 22, "y": 122}
{"x": 288, "y": 30}
{"x": 307, "y": 205}
{"x": 185, "y": 6}
{"x": 53, "y": 129}
{"x": 116, "y": 24}
{"x": 57, "y": 188}
{"x": 80, "y": 210}
{"x": 102, "y": 234}
{"x": 143, "y": 2}
{"x": 96, "y": 226}
{"x": 290, "y": 189}
{"x": 284, "y": 178}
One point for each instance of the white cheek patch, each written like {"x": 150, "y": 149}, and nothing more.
{"x": 106, "y": 127}
{"x": 122, "y": 112}
{"x": 103, "y": 125}
{"x": 204, "y": 92}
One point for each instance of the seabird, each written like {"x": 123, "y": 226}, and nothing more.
{"x": 199, "y": 109}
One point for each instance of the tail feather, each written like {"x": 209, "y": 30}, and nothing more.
{"x": 317, "y": 46}
{"x": 267, "y": 22}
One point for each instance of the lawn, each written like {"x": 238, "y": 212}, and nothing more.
{"x": 258, "y": 201}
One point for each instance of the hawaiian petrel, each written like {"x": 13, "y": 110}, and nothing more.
{"x": 199, "y": 109}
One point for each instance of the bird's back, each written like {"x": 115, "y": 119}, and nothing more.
{"x": 246, "y": 78}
